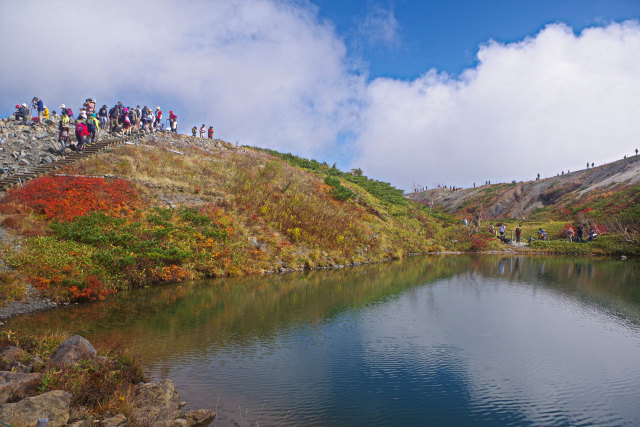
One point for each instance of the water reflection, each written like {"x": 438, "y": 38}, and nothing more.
{"x": 444, "y": 340}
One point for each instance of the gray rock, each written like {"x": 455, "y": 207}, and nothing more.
{"x": 199, "y": 418}
{"x": 118, "y": 420}
{"x": 53, "y": 406}
{"x": 155, "y": 404}
{"x": 72, "y": 350}
{"x": 11, "y": 353}
{"x": 16, "y": 385}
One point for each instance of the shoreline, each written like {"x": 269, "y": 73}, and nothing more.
{"x": 35, "y": 302}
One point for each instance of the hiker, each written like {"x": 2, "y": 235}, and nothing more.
{"x": 63, "y": 132}
{"x": 133, "y": 118}
{"x": 156, "y": 124}
{"x": 518, "y": 233}
{"x": 103, "y": 116}
{"x": 173, "y": 122}
{"x": 465, "y": 222}
{"x": 23, "y": 112}
{"x": 45, "y": 114}
{"x": 113, "y": 118}
{"x": 491, "y": 229}
{"x": 64, "y": 110}
{"x": 579, "y": 233}
{"x": 210, "y": 132}
{"x": 81, "y": 134}
{"x": 149, "y": 119}
{"x": 542, "y": 235}
{"x": 502, "y": 228}
{"x": 92, "y": 126}
{"x": 202, "y": 131}
{"x": 592, "y": 235}
{"x": 38, "y": 105}
{"x": 126, "y": 122}
{"x": 138, "y": 112}
{"x": 569, "y": 234}
{"x": 194, "y": 131}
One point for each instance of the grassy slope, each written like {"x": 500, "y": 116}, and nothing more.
{"x": 208, "y": 213}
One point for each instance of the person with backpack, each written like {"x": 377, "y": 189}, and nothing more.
{"x": 113, "y": 118}
{"x": 156, "y": 124}
{"x": 93, "y": 125}
{"x": 210, "y": 132}
{"x": 82, "y": 132}
{"x": 126, "y": 122}
{"x": 133, "y": 118}
{"x": 194, "y": 131}
{"x": 63, "y": 132}
{"x": 203, "y": 129}
{"x": 518, "y": 233}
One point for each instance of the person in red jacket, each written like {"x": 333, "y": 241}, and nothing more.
{"x": 173, "y": 122}
{"x": 210, "y": 133}
{"x": 82, "y": 132}
{"x": 156, "y": 124}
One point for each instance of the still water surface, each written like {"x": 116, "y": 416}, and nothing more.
{"x": 426, "y": 341}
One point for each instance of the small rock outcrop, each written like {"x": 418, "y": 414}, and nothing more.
{"x": 72, "y": 350}
{"x": 153, "y": 404}
{"x": 15, "y": 385}
{"x": 53, "y": 406}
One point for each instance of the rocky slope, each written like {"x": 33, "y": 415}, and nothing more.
{"x": 522, "y": 198}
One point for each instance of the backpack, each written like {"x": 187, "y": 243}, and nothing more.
{"x": 79, "y": 128}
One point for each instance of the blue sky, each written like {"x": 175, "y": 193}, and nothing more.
{"x": 414, "y": 93}
{"x": 446, "y": 34}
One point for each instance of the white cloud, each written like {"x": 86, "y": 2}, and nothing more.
{"x": 548, "y": 103}
{"x": 270, "y": 73}
{"x": 379, "y": 27}
{"x": 263, "y": 72}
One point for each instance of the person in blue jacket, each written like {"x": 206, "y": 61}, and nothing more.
{"x": 39, "y": 105}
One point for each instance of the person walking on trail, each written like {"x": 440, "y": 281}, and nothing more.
{"x": 103, "y": 117}
{"x": 81, "y": 134}
{"x": 93, "y": 125}
{"x": 203, "y": 129}
{"x": 579, "y": 234}
{"x": 126, "y": 122}
{"x": 194, "y": 131}
{"x": 210, "y": 132}
{"x": 113, "y": 118}
{"x": 518, "y": 233}
{"x": 491, "y": 229}
{"x": 502, "y": 228}
{"x": 63, "y": 133}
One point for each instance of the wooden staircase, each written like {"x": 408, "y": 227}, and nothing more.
{"x": 72, "y": 156}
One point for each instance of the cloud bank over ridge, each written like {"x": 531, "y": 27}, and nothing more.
{"x": 271, "y": 73}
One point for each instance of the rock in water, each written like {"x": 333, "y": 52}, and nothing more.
{"x": 72, "y": 350}
{"x": 156, "y": 404}
{"x": 53, "y": 406}
{"x": 200, "y": 417}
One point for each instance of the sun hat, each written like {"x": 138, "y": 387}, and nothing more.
{"x": 63, "y": 106}
{"x": 157, "y": 108}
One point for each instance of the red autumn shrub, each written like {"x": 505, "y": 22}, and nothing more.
{"x": 64, "y": 198}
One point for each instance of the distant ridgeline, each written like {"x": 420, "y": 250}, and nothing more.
{"x": 381, "y": 190}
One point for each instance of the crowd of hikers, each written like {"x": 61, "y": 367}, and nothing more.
{"x": 91, "y": 120}
{"x": 572, "y": 233}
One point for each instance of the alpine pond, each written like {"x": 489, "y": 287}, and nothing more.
{"x": 455, "y": 340}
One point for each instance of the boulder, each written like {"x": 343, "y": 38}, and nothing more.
{"x": 199, "y": 418}
{"x": 11, "y": 353}
{"x": 72, "y": 350}
{"x": 155, "y": 404}
{"x": 15, "y": 385}
{"x": 53, "y": 406}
